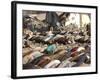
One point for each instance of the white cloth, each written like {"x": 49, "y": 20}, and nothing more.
{"x": 52, "y": 64}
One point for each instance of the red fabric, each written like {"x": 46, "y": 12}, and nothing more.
{"x": 74, "y": 49}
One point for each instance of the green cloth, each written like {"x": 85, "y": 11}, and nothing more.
{"x": 51, "y": 49}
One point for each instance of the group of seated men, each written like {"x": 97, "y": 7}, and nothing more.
{"x": 56, "y": 49}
